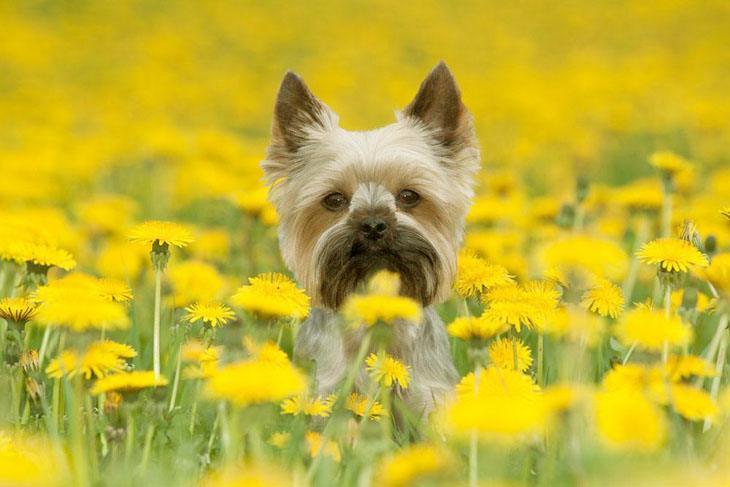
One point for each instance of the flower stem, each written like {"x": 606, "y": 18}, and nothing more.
{"x": 642, "y": 233}
{"x": 719, "y": 364}
{"x": 474, "y": 440}
{"x": 147, "y": 445}
{"x": 156, "y": 330}
{"x": 176, "y": 381}
{"x": 44, "y": 346}
{"x": 540, "y": 358}
{"x": 629, "y": 353}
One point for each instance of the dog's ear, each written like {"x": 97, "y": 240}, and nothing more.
{"x": 438, "y": 105}
{"x": 297, "y": 112}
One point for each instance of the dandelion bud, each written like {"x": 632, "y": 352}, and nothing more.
{"x": 29, "y": 361}
{"x": 691, "y": 235}
{"x": 112, "y": 402}
{"x": 160, "y": 255}
{"x": 34, "y": 389}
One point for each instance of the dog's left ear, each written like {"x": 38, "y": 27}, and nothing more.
{"x": 438, "y": 105}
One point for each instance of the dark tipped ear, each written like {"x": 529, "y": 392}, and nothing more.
{"x": 296, "y": 109}
{"x": 438, "y": 105}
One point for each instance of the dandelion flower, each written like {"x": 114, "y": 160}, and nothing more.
{"x": 46, "y": 256}
{"x": 127, "y": 381}
{"x": 576, "y": 325}
{"x": 530, "y": 305}
{"x": 669, "y": 162}
{"x": 650, "y": 330}
{"x": 162, "y": 233}
{"x": 505, "y": 407}
{"x": 114, "y": 290}
{"x": 99, "y": 359}
{"x": 672, "y": 255}
{"x": 316, "y": 446}
{"x": 604, "y": 299}
{"x": 308, "y": 406}
{"x": 584, "y": 256}
{"x": 256, "y": 380}
{"x": 17, "y": 310}
{"x": 374, "y": 308}
{"x": 413, "y": 465}
{"x": 249, "y": 475}
{"x": 504, "y": 351}
{"x": 693, "y": 403}
{"x": 279, "y": 439}
{"x": 272, "y": 295}
{"x": 30, "y": 461}
{"x": 718, "y": 273}
{"x": 627, "y": 420}
{"x": 206, "y": 359}
{"x": 387, "y": 370}
{"x": 83, "y": 314}
{"x": 683, "y": 366}
{"x": 726, "y": 212}
{"x": 212, "y": 314}
{"x": 359, "y": 404}
{"x": 474, "y": 275}
{"x": 475, "y": 327}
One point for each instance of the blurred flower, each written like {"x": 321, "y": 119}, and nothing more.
{"x": 213, "y": 314}
{"x": 583, "y": 256}
{"x": 279, "y": 439}
{"x": 309, "y": 406}
{"x": 475, "y": 327}
{"x": 272, "y": 295}
{"x": 604, "y": 298}
{"x": 413, "y": 465}
{"x": 121, "y": 259}
{"x": 248, "y": 475}
{"x": 377, "y": 308}
{"x": 474, "y": 275}
{"x": 162, "y": 233}
{"x": 626, "y": 419}
{"x": 106, "y": 213}
{"x": 213, "y": 245}
{"x": 359, "y": 404}
{"x": 387, "y": 370}
{"x": 27, "y": 461}
{"x": 206, "y": 358}
{"x": 693, "y": 403}
{"x": 669, "y": 162}
{"x": 17, "y": 310}
{"x": 672, "y": 254}
{"x": 505, "y": 407}
{"x": 651, "y": 329}
{"x": 316, "y": 446}
{"x": 194, "y": 280}
{"x": 684, "y": 366}
{"x": 508, "y": 352}
{"x": 718, "y": 273}
{"x": 127, "y": 382}
{"x": 256, "y": 380}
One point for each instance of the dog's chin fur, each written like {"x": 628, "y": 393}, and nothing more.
{"x": 430, "y": 149}
{"x": 346, "y": 262}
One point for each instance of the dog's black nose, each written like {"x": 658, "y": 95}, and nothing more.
{"x": 373, "y": 228}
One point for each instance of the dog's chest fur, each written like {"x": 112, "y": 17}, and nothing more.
{"x": 332, "y": 346}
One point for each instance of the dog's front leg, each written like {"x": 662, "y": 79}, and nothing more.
{"x": 319, "y": 343}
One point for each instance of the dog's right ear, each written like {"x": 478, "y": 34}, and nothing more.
{"x": 297, "y": 113}
{"x": 298, "y": 118}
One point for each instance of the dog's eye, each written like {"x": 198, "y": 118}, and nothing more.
{"x": 408, "y": 198}
{"x": 335, "y": 201}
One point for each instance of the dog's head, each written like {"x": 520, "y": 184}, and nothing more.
{"x": 352, "y": 203}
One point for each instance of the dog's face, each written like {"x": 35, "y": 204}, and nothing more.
{"x": 352, "y": 203}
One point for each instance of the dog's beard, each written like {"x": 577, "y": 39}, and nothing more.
{"x": 346, "y": 261}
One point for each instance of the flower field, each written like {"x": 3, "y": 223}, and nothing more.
{"x": 147, "y": 321}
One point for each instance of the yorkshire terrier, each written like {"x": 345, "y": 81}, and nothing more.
{"x": 353, "y": 203}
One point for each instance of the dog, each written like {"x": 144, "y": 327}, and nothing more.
{"x": 352, "y": 203}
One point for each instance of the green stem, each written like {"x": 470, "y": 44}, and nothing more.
{"x": 176, "y": 381}
{"x": 156, "y": 329}
{"x": 44, "y": 346}
{"x": 719, "y": 365}
{"x": 642, "y": 233}
{"x": 474, "y": 440}
{"x": 667, "y": 213}
{"x": 540, "y": 359}
{"x": 147, "y": 445}
{"x": 667, "y": 315}
{"x": 628, "y": 354}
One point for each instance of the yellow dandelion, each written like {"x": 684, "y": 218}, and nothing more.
{"x": 672, "y": 255}
{"x": 45, "y": 256}
{"x": 376, "y": 308}
{"x": 196, "y": 281}
{"x": 505, "y": 352}
{"x": 583, "y": 256}
{"x": 206, "y": 359}
{"x": 64, "y": 365}
{"x": 650, "y": 330}
{"x": 684, "y": 366}
{"x": 474, "y": 275}
{"x": 106, "y": 213}
{"x": 82, "y": 313}
{"x": 266, "y": 352}
{"x": 256, "y": 380}
{"x": 308, "y": 406}
{"x": 360, "y": 405}
{"x": 272, "y": 295}
{"x": 127, "y": 382}
{"x": 279, "y": 439}
{"x": 726, "y": 212}
{"x": 718, "y": 273}
{"x": 387, "y": 370}
{"x": 530, "y": 305}
{"x": 575, "y": 324}
{"x": 475, "y": 327}
{"x": 114, "y": 290}
{"x": 27, "y": 461}
{"x": 213, "y": 314}
{"x": 604, "y": 299}
{"x": 627, "y": 420}
{"x": 693, "y": 403}
{"x": 248, "y": 475}
{"x": 317, "y": 446}
{"x": 162, "y": 233}
{"x": 17, "y": 310}
{"x": 506, "y": 406}
{"x": 669, "y": 162}
{"x": 99, "y": 359}
{"x": 413, "y": 465}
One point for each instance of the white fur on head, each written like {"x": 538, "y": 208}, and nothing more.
{"x": 431, "y": 149}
